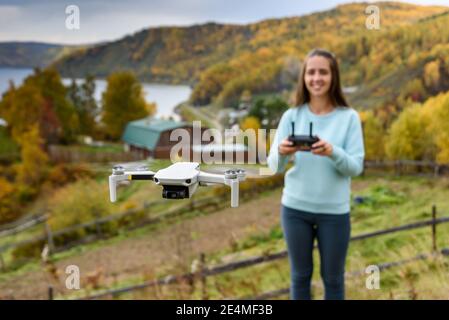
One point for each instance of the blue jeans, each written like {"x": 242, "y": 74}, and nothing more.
{"x": 332, "y": 232}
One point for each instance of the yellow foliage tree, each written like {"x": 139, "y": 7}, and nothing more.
{"x": 251, "y": 123}
{"x": 8, "y": 205}
{"x": 436, "y": 112}
{"x": 123, "y": 101}
{"x": 407, "y": 138}
{"x": 151, "y": 108}
{"x": 432, "y": 73}
{"x": 77, "y": 203}
{"x": 34, "y": 163}
{"x": 373, "y": 136}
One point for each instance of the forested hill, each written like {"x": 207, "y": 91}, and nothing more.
{"x": 180, "y": 54}
{"x": 31, "y": 54}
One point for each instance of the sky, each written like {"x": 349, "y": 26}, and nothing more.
{"x": 106, "y": 20}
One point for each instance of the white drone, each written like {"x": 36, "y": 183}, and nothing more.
{"x": 179, "y": 181}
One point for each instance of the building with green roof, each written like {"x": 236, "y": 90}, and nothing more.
{"x": 151, "y": 137}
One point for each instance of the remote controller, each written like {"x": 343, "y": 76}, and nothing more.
{"x": 303, "y": 140}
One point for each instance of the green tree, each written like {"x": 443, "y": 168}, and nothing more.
{"x": 269, "y": 111}
{"x": 82, "y": 97}
{"x": 123, "y": 101}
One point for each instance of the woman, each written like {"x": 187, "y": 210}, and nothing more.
{"x": 316, "y": 195}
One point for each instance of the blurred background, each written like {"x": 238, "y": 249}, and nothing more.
{"x": 87, "y": 85}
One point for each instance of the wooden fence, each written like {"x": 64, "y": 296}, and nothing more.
{"x": 66, "y": 155}
{"x": 408, "y": 167}
{"x": 50, "y": 237}
{"x": 205, "y": 271}
{"x": 200, "y": 204}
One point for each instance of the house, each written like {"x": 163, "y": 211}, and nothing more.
{"x": 150, "y": 137}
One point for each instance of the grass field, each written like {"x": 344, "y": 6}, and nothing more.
{"x": 251, "y": 230}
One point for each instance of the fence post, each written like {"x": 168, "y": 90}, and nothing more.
{"x": 203, "y": 276}
{"x": 436, "y": 170}
{"x": 2, "y": 262}
{"x": 434, "y": 228}
{"x": 51, "y": 244}
{"x": 97, "y": 224}
{"x": 50, "y": 293}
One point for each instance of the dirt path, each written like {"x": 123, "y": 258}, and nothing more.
{"x": 169, "y": 246}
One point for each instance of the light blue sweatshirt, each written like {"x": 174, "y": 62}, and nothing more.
{"x": 320, "y": 184}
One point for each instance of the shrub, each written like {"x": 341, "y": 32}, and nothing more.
{"x": 80, "y": 202}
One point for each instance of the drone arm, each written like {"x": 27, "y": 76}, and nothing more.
{"x": 205, "y": 177}
{"x": 233, "y": 183}
{"x": 126, "y": 175}
{"x": 139, "y": 175}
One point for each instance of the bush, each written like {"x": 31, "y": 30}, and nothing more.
{"x": 63, "y": 173}
{"x": 80, "y": 202}
{"x": 9, "y": 209}
{"x": 251, "y": 186}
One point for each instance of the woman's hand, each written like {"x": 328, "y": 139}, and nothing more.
{"x": 322, "y": 148}
{"x": 287, "y": 148}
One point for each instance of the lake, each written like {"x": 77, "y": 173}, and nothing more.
{"x": 167, "y": 97}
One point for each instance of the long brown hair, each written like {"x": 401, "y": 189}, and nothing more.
{"x": 335, "y": 92}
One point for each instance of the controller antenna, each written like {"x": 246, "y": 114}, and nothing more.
{"x": 293, "y": 128}
{"x": 310, "y": 128}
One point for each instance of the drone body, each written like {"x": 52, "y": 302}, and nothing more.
{"x": 179, "y": 181}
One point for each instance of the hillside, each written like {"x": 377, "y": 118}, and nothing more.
{"x": 232, "y": 234}
{"x": 180, "y": 54}
{"x": 31, "y": 54}
{"x": 397, "y": 63}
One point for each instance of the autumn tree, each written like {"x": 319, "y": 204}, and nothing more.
{"x": 407, "y": 139}
{"x": 9, "y": 208}
{"x": 123, "y": 101}
{"x": 374, "y": 136}
{"x": 436, "y": 113}
{"x": 151, "y": 108}
{"x": 211, "y": 83}
{"x": 54, "y": 92}
{"x": 32, "y": 169}
{"x": 432, "y": 73}
{"x": 41, "y": 99}
{"x": 251, "y": 123}
{"x": 22, "y": 108}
